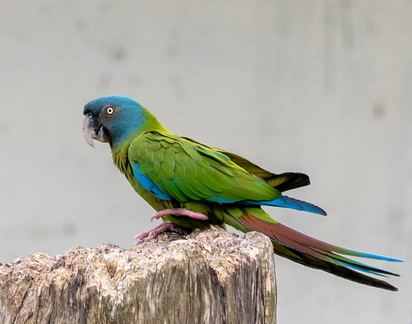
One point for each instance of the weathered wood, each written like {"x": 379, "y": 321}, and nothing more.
{"x": 209, "y": 277}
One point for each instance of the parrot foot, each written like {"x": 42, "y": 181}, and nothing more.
{"x": 180, "y": 212}
{"x": 164, "y": 227}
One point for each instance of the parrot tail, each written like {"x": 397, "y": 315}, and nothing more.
{"x": 314, "y": 253}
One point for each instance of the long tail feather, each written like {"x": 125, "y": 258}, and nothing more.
{"x": 314, "y": 253}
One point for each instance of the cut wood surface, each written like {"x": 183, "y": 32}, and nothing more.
{"x": 207, "y": 277}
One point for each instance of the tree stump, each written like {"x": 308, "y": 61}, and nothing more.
{"x": 207, "y": 277}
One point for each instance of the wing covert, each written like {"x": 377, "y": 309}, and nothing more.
{"x": 186, "y": 170}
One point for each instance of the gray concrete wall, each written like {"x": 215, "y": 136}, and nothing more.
{"x": 322, "y": 87}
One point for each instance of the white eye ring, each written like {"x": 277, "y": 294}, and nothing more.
{"x": 109, "y": 110}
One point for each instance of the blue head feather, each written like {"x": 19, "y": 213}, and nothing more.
{"x": 129, "y": 116}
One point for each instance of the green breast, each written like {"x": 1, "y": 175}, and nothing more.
{"x": 121, "y": 160}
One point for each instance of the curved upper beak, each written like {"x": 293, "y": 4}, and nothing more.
{"x": 94, "y": 130}
{"x": 89, "y": 131}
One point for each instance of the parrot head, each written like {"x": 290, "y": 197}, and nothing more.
{"x": 112, "y": 119}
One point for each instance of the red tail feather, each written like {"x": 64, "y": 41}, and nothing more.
{"x": 314, "y": 253}
{"x": 287, "y": 236}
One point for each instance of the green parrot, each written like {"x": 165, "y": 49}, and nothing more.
{"x": 192, "y": 185}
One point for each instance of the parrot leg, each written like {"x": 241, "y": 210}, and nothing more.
{"x": 164, "y": 227}
{"x": 169, "y": 227}
{"x": 180, "y": 212}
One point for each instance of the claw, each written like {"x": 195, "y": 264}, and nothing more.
{"x": 164, "y": 227}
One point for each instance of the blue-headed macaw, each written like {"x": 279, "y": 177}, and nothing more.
{"x": 192, "y": 185}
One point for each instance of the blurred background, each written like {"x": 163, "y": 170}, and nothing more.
{"x": 321, "y": 87}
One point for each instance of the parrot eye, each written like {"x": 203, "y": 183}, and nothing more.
{"x": 109, "y": 110}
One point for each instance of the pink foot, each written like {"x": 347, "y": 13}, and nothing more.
{"x": 180, "y": 212}
{"x": 164, "y": 227}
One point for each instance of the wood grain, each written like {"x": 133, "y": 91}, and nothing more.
{"x": 208, "y": 277}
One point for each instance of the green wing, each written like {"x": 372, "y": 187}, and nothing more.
{"x": 282, "y": 182}
{"x": 187, "y": 170}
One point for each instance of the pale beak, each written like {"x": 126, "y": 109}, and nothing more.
{"x": 94, "y": 130}
{"x": 89, "y": 132}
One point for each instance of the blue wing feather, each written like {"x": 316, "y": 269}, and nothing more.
{"x": 284, "y": 201}
{"x": 288, "y": 202}
{"x": 147, "y": 183}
